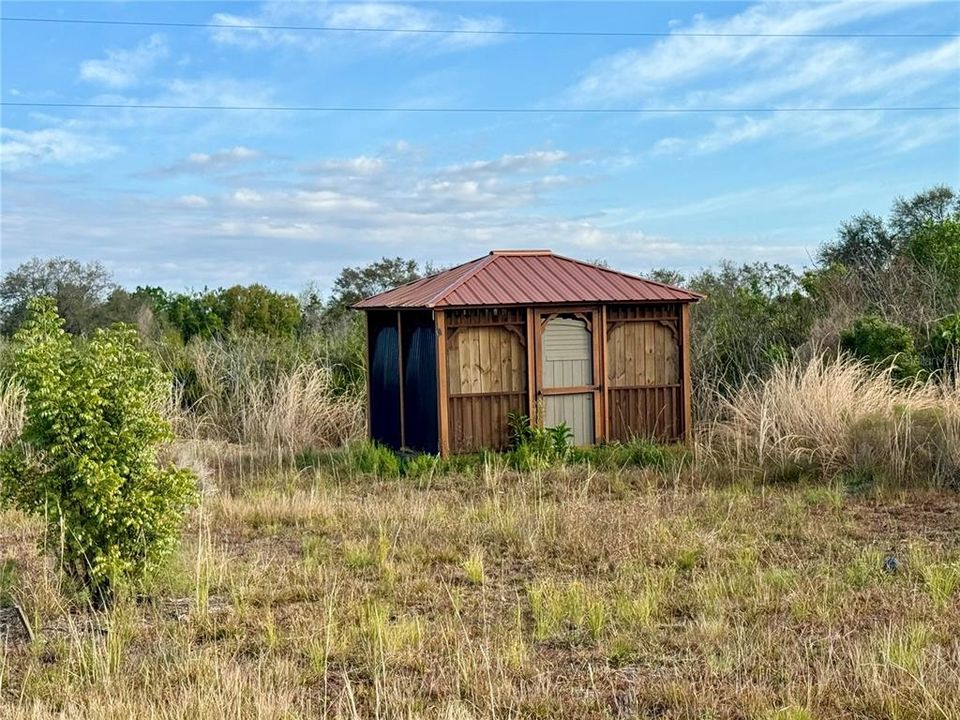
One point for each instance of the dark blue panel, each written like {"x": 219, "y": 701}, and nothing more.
{"x": 385, "y": 385}
{"x": 420, "y": 383}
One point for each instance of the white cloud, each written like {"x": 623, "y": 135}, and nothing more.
{"x": 193, "y": 201}
{"x": 360, "y": 165}
{"x": 746, "y": 72}
{"x": 223, "y": 157}
{"x": 506, "y": 164}
{"x": 246, "y": 197}
{"x": 22, "y": 148}
{"x": 633, "y": 74}
{"x": 353, "y": 15}
{"x": 201, "y": 162}
{"x": 124, "y": 68}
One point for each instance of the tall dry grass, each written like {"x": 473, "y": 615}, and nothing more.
{"x": 834, "y": 416}
{"x": 273, "y": 398}
{"x": 12, "y": 408}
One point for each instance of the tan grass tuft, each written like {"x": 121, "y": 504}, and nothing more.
{"x": 834, "y": 416}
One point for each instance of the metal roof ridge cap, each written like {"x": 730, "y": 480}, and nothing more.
{"x": 628, "y": 275}
{"x": 481, "y": 262}
{"x": 522, "y": 253}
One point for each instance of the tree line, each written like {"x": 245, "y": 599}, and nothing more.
{"x": 884, "y": 289}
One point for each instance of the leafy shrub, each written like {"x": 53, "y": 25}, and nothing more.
{"x": 936, "y": 247}
{"x": 882, "y": 343}
{"x": 88, "y": 458}
{"x": 254, "y": 310}
{"x": 370, "y": 458}
{"x": 518, "y": 428}
{"x": 421, "y": 465}
{"x": 943, "y": 347}
{"x": 752, "y": 317}
{"x": 534, "y": 447}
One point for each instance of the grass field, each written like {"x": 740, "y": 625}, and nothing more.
{"x": 801, "y": 562}
{"x": 492, "y": 594}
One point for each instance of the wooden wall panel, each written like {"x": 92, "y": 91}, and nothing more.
{"x": 486, "y": 363}
{"x": 485, "y": 360}
{"x": 643, "y": 353}
{"x": 654, "y": 413}
{"x": 480, "y": 421}
{"x": 644, "y": 371}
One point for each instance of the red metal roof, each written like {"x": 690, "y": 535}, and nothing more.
{"x": 525, "y": 277}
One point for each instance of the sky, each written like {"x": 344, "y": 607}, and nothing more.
{"x": 189, "y": 199}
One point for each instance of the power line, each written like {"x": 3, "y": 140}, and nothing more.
{"x": 488, "y": 110}
{"x": 475, "y": 31}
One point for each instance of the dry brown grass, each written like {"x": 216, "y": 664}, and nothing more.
{"x": 829, "y": 417}
{"x": 12, "y": 397}
{"x": 597, "y": 596}
{"x": 563, "y": 593}
{"x": 274, "y": 404}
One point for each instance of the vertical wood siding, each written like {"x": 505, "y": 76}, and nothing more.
{"x": 486, "y": 377}
{"x": 644, "y": 373}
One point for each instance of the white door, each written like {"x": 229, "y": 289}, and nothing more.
{"x": 568, "y": 387}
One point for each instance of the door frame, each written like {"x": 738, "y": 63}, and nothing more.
{"x": 595, "y": 320}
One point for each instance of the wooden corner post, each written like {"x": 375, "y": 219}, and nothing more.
{"x": 531, "y": 366}
{"x": 687, "y": 387}
{"x": 604, "y": 379}
{"x": 443, "y": 390}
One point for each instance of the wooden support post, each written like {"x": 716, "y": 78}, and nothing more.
{"x": 604, "y": 373}
{"x": 403, "y": 433}
{"x": 531, "y": 366}
{"x": 443, "y": 390}
{"x": 687, "y": 388}
{"x": 596, "y": 344}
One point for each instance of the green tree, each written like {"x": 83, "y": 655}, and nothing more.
{"x": 930, "y": 207}
{"x": 862, "y": 242}
{"x": 254, "y": 309}
{"x": 882, "y": 343}
{"x": 79, "y": 290}
{"x": 936, "y": 248}
{"x": 943, "y": 347}
{"x": 752, "y": 316}
{"x": 258, "y": 310}
{"x": 353, "y": 284}
{"x": 195, "y": 315}
{"x": 869, "y": 242}
{"x": 88, "y": 458}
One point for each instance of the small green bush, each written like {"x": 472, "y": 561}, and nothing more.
{"x": 88, "y": 457}
{"x": 537, "y": 448}
{"x": 370, "y": 458}
{"x": 943, "y": 348}
{"x": 421, "y": 465}
{"x": 882, "y": 343}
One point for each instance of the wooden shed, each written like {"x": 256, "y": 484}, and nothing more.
{"x": 450, "y": 355}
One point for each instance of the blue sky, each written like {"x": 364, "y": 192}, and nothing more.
{"x": 194, "y": 198}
